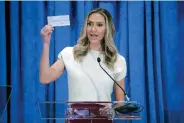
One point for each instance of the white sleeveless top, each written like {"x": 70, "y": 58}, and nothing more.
{"x": 86, "y": 80}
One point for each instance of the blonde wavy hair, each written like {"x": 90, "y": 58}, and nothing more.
{"x": 108, "y": 48}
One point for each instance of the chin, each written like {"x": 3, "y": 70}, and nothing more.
{"x": 94, "y": 41}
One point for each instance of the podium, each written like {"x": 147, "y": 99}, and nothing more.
{"x": 114, "y": 110}
{"x": 5, "y": 93}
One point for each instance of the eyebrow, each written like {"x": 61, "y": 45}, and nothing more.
{"x": 94, "y": 22}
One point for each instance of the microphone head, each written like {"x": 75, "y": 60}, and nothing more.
{"x": 98, "y": 59}
{"x": 129, "y": 108}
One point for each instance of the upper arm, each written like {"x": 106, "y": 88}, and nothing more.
{"x": 56, "y": 70}
{"x": 58, "y": 67}
{"x": 63, "y": 57}
{"x": 119, "y": 75}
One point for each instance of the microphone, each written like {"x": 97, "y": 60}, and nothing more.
{"x": 128, "y": 107}
{"x": 126, "y": 96}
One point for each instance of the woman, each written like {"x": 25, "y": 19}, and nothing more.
{"x": 86, "y": 80}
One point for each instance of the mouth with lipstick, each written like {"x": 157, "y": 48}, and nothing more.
{"x": 93, "y": 36}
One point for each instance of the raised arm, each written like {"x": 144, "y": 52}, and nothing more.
{"x": 49, "y": 73}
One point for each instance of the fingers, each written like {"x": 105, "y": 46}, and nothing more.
{"x": 104, "y": 111}
{"x": 48, "y": 29}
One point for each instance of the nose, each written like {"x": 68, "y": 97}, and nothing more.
{"x": 93, "y": 28}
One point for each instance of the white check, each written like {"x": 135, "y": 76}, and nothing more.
{"x": 62, "y": 20}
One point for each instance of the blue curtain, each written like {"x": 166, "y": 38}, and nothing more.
{"x": 148, "y": 34}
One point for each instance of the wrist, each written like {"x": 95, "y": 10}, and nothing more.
{"x": 46, "y": 45}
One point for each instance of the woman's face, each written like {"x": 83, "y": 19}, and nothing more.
{"x": 95, "y": 28}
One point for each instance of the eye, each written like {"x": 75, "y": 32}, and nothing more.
{"x": 99, "y": 25}
{"x": 89, "y": 24}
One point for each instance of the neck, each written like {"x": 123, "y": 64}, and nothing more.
{"x": 95, "y": 47}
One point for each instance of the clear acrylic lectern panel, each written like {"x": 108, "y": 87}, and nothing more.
{"x": 89, "y": 110}
{"x": 5, "y": 93}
